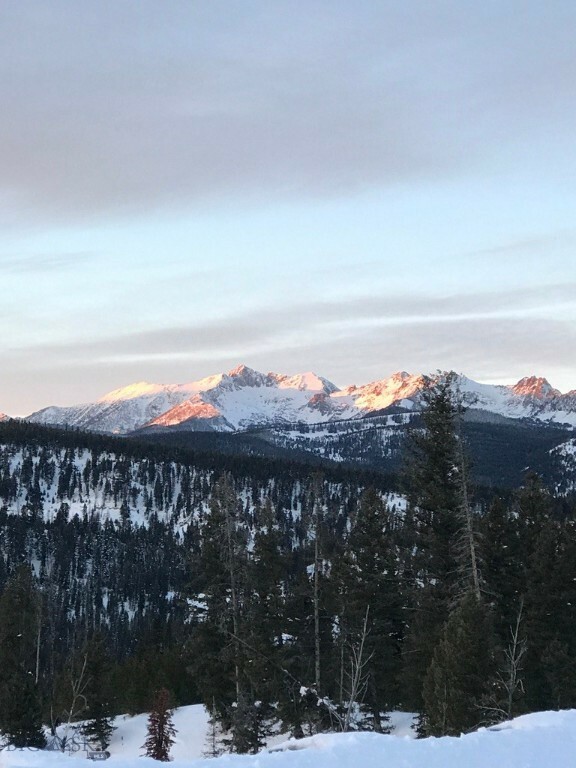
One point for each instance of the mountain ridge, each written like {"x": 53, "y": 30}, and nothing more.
{"x": 244, "y": 398}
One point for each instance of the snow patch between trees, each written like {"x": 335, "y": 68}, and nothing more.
{"x": 540, "y": 740}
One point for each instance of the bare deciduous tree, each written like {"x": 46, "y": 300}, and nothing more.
{"x": 509, "y": 678}
{"x": 357, "y": 676}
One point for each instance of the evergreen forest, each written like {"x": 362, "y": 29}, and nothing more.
{"x": 277, "y": 593}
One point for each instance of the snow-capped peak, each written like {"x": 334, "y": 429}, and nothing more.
{"x": 243, "y": 376}
{"x": 383, "y": 392}
{"x": 534, "y": 386}
{"x": 308, "y": 381}
{"x": 242, "y": 370}
{"x": 244, "y": 398}
{"x": 209, "y": 382}
{"x": 138, "y": 389}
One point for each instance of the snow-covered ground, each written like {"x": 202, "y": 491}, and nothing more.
{"x": 541, "y": 740}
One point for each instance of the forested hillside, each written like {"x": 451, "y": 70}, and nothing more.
{"x": 275, "y": 591}
{"x": 501, "y": 450}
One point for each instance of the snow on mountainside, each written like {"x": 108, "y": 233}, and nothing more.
{"x": 125, "y": 409}
{"x": 565, "y": 454}
{"x": 244, "y": 398}
{"x": 400, "y": 389}
{"x": 531, "y": 397}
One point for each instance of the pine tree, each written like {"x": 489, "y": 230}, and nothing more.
{"x": 434, "y": 486}
{"x": 533, "y": 508}
{"x": 20, "y": 710}
{"x": 459, "y": 677}
{"x": 214, "y": 737}
{"x": 263, "y": 614}
{"x": 218, "y": 641}
{"x": 551, "y": 617}
{"x": 371, "y": 614}
{"x": 560, "y": 671}
{"x": 161, "y": 729}
{"x": 444, "y": 565}
{"x": 248, "y": 729}
{"x": 503, "y": 566}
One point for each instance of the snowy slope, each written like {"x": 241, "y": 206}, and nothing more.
{"x": 93, "y": 492}
{"x": 565, "y": 455}
{"x": 224, "y": 402}
{"x": 531, "y": 397}
{"x": 192, "y": 741}
{"x": 400, "y": 389}
{"x": 118, "y": 412}
{"x": 541, "y": 740}
{"x": 244, "y": 398}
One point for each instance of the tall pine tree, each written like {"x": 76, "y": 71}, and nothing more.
{"x": 458, "y": 681}
{"x": 438, "y": 512}
{"x": 161, "y": 731}
{"x": 20, "y": 712}
{"x": 372, "y": 604}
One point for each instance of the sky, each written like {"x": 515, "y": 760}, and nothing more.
{"x": 353, "y": 188}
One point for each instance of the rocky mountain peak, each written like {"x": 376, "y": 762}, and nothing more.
{"x": 244, "y": 397}
{"x": 534, "y": 386}
{"x": 243, "y": 376}
{"x": 304, "y": 382}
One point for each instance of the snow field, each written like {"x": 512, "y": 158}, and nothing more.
{"x": 541, "y": 740}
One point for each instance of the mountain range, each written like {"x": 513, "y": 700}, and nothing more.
{"x": 244, "y": 399}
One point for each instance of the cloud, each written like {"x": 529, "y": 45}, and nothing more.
{"x": 484, "y": 348}
{"x": 534, "y": 245}
{"x": 119, "y": 108}
{"x": 266, "y": 329}
{"x": 49, "y": 262}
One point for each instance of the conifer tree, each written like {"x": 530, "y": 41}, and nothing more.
{"x": 20, "y": 708}
{"x": 214, "y": 739}
{"x": 434, "y": 485}
{"x": 533, "y": 508}
{"x": 559, "y": 666}
{"x": 503, "y": 566}
{"x": 263, "y": 615}
{"x": 161, "y": 729}
{"x": 218, "y": 641}
{"x": 247, "y": 726}
{"x": 459, "y": 677}
{"x": 371, "y": 602}
{"x": 551, "y": 617}
{"x": 444, "y": 564}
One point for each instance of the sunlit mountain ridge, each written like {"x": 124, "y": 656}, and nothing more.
{"x": 244, "y": 398}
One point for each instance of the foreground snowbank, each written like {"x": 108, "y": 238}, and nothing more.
{"x": 542, "y": 740}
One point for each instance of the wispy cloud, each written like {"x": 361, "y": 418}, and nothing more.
{"x": 483, "y": 348}
{"x": 446, "y": 319}
{"x": 535, "y": 244}
{"x": 44, "y": 262}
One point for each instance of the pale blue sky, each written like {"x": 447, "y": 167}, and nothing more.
{"x": 353, "y": 188}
